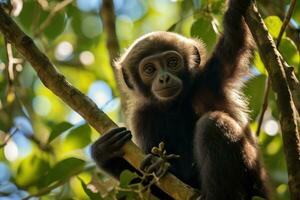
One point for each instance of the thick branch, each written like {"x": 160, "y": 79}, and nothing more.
{"x": 288, "y": 118}
{"x": 82, "y": 104}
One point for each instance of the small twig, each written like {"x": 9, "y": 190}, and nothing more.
{"x": 58, "y": 7}
{"x": 44, "y": 4}
{"x": 286, "y": 21}
{"x": 10, "y": 64}
{"x": 264, "y": 106}
{"x": 47, "y": 190}
{"x": 41, "y": 146}
{"x": 268, "y": 83}
{"x": 109, "y": 23}
{"x": 8, "y": 138}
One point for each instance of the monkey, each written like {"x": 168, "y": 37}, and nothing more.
{"x": 191, "y": 102}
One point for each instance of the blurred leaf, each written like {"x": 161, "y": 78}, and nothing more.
{"x": 296, "y": 13}
{"x": 62, "y": 170}
{"x": 202, "y": 28}
{"x": 289, "y": 51}
{"x": 126, "y": 177}
{"x": 273, "y": 105}
{"x": 77, "y": 24}
{"x": 254, "y": 90}
{"x": 78, "y": 137}
{"x": 274, "y": 146}
{"x": 92, "y": 195}
{"x": 274, "y": 24}
{"x": 76, "y": 20}
{"x": 56, "y": 26}
{"x": 59, "y": 129}
{"x": 217, "y": 6}
{"x": 173, "y": 27}
{"x": 259, "y": 64}
{"x": 30, "y": 170}
{"x": 30, "y": 9}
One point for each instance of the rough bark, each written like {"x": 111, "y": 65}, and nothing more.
{"x": 279, "y": 80}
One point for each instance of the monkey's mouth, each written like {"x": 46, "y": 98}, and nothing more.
{"x": 168, "y": 92}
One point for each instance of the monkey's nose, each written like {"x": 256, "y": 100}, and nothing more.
{"x": 164, "y": 79}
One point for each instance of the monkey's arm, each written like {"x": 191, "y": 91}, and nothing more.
{"x": 234, "y": 48}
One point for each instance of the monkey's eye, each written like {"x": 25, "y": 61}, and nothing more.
{"x": 149, "y": 69}
{"x": 172, "y": 62}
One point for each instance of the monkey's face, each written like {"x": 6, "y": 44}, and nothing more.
{"x": 160, "y": 67}
{"x": 161, "y": 74}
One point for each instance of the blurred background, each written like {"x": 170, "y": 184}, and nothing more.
{"x": 45, "y": 146}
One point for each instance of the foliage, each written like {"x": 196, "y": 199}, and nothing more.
{"x": 48, "y": 154}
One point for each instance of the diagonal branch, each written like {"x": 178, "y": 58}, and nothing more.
{"x": 279, "y": 80}
{"x": 82, "y": 104}
{"x": 286, "y": 22}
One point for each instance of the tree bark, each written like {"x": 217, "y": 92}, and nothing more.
{"x": 274, "y": 64}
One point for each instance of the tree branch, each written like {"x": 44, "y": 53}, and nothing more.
{"x": 108, "y": 17}
{"x": 288, "y": 118}
{"x": 286, "y": 21}
{"x": 109, "y": 25}
{"x": 82, "y": 104}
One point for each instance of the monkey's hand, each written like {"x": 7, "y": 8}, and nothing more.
{"x": 110, "y": 145}
{"x": 157, "y": 162}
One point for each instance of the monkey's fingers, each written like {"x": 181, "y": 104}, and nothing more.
{"x": 125, "y": 136}
{"x": 117, "y": 154}
{"x": 109, "y": 134}
{"x": 118, "y": 136}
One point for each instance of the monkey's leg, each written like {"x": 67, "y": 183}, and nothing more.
{"x": 221, "y": 153}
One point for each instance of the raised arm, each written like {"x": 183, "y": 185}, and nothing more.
{"x": 234, "y": 48}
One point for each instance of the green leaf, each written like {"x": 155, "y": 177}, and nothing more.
{"x": 92, "y": 195}
{"x": 202, "y": 28}
{"x": 26, "y": 18}
{"x": 58, "y": 130}
{"x": 56, "y": 26}
{"x": 274, "y": 24}
{"x": 78, "y": 137}
{"x": 254, "y": 91}
{"x": 126, "y": 177}
{"x": 173, "y": 27}
{"x": 289, "y": 51}
{"x": 62, "y": 170}
{"x": 30, "y": 170}
{"x": 259, "y": 64}
{"x": 217, "y": 6}
{"x": 296, "y": 13}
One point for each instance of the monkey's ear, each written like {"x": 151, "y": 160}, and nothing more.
{"x": 197, "y": 57}
{"x": 126, "y": 79}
